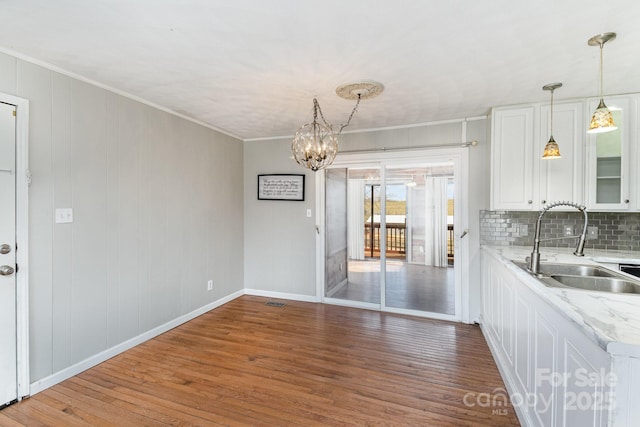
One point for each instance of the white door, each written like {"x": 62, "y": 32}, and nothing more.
{"x": 8, "y": 347}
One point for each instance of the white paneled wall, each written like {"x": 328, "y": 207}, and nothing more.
{"x": 157, "y": 211}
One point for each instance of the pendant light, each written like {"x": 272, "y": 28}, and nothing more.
{"x": 551, "y": 150}
{"x": 602, "y": 120}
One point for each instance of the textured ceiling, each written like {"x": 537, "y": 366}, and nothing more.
{"x": 252, "y": 67}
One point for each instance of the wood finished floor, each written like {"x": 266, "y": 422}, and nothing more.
{"x": 304, "y": 364}
{"x": 409, "y": 286}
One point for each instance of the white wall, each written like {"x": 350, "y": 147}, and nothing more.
{"x": 280, "y": 241}
{"x": 157, "y": 203}
{"x": 279, "y": 245}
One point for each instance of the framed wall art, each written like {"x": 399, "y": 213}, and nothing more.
{"x": 281, "y": 187}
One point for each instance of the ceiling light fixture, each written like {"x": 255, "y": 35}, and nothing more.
{"x": 551, "y": 150}
{"x": 315, "y": 144}
{"x": 602, "y": 120}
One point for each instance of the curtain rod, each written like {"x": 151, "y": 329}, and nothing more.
{"x": 414, "y": 147}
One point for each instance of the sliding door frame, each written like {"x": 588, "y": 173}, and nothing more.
{"x": 459, "y": 156}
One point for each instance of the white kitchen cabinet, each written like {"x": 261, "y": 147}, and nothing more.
{"x": 608, "y": 175}
{"x": 561, "y": 179}
{"x": 554, "y": 373}
{"x": 511, "y": 158}
{"x": 520, "y": 178}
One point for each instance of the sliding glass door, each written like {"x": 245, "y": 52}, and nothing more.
{"x": 389, "y": 237}
{"x": 419, "y": 226}
{"x": 352, "y": 230}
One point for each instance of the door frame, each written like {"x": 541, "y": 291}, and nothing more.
{"x": 382, "y": 159}
{"x": 23, "y": 180}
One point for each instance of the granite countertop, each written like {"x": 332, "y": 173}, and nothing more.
{"x": 612, "y": 320}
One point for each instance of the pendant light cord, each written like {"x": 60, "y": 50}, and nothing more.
{"x": 551, "y": 133}
{"x": 601, "y": 67}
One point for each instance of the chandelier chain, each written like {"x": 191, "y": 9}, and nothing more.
{"x": 344, "y": 125}
{"x": 317, "y": 110}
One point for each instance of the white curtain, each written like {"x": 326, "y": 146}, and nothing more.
{"x": 355, "y": 218}
{"x": 436, "y": 221}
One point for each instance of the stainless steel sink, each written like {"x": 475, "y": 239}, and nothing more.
{"x": 549, "y": 269}
{"x": 584, "y": 277}
{"x": 602, "y": 284}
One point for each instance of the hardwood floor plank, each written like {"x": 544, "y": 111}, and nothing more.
{"x": 304, "y": 364}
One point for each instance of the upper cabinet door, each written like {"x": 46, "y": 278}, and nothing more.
{"x": 607, "y": 177}
{"x": 562, "y": 179}
{"x": 511, "y": 158}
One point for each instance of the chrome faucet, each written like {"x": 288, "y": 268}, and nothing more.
{"x": 534, "y": 261}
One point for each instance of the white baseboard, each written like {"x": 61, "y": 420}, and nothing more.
{"x": 96, "y": 359}
{"x": 281, "y": 295}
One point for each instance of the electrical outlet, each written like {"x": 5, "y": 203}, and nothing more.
{"x": 210, "y": 285}
{"x": 592, "y": 232}
{"x": 64, "y": 215}
{"x": 568, "y": 230}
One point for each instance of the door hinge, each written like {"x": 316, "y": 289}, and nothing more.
{"x": 17, "y": 268}
{"x": 14, "y": 113}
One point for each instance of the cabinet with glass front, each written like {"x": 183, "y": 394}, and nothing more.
{"x": 608, "y": 171}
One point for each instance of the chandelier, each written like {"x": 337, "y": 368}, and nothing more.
{"x": 315, "y": 144}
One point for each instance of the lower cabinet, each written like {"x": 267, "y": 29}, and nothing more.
{"x": 554, "y": 373}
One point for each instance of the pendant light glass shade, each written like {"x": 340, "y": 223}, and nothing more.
{"x": 551, "y": 150}
{"x": 602, "y": 120}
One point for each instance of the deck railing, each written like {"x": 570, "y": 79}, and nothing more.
{"x": 396, "y": 240}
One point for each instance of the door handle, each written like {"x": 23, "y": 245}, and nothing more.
{"x": 6, "y": 270}
{"x": 5, "y": 249}
{"x": 464, "y": 233}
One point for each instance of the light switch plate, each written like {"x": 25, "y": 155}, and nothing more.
{"x": 64, "y": 215}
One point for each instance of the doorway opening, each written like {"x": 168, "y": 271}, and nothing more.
{"x": 392, "y": 236}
